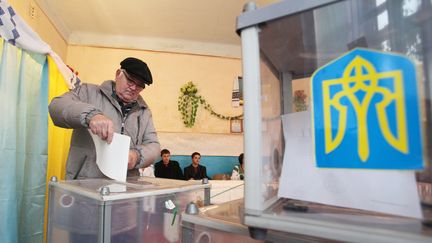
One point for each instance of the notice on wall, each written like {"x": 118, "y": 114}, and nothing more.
{"x": 112, "y": 159}
{"x": 372, "y": 190}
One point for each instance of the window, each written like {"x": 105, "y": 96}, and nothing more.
{"x": 379, "y": 2}
{"x": 382, "y": 20}
{"x": 410, "y": 6}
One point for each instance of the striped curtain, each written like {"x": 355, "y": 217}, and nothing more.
{"x": 23, "y": 143}
{"x": 27, "y": 134}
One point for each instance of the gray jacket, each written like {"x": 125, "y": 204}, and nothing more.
{"x": 73, "y": 109}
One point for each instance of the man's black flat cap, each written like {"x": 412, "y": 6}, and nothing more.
{"x": 137, "y": 69}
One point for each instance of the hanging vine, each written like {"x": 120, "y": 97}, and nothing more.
{"x": 189, "y": 101}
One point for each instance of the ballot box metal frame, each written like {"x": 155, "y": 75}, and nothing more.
{"x": 265, "y": 212}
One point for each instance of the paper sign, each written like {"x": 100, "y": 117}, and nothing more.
{"x": 372, "y": 190}
{"x": 367, "y": 113}
{"x": 112, "y": 159}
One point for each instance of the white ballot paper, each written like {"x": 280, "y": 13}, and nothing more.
{"x": 385, "y": 191}
{"x": 112, "y": 159}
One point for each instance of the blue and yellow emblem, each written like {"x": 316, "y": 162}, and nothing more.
{"x": 366, "y": 112}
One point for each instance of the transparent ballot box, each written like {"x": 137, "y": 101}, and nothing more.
{"x": 141, "y": 210}
{"x": 222, "y": 223}
{"x": 338, "y": 119}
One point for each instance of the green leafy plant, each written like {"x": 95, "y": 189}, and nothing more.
{"x": 300, "y": 100}
{"x": 188, "y": 103}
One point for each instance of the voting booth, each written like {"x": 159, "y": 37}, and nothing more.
{"x": 337, "y": 119}
{"x": 140, "y": 210}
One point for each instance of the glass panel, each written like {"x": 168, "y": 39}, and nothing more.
{"x": 294, "y": 47}
{"x": 271, "y": 133}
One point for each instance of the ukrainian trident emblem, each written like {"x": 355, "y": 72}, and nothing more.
{"x": 366, "y": 112}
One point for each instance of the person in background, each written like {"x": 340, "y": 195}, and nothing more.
{"x": 195, "y": 171}
{"x": 113, "y": 106}
{"x": 238, "y": 171}
{"x": 167, "y": 168}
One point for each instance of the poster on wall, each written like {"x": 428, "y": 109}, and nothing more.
{"x": 236, "y": 126}
{"x": 237, "y": 93}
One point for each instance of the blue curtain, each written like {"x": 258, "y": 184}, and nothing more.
{"x": 23, "y": 143}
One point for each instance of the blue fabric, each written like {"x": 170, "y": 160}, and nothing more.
{"x": 23, "y": 144}
{"x": 214, "y": 164}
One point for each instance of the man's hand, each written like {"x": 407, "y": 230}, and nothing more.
{"x": 133, "y": 159}
{"x": 103, "y": 127}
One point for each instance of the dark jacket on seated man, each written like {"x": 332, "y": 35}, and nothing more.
{"x": 196, "y": 173}
{"x": 170, "y": 171}
{"x": 195, "y": 170}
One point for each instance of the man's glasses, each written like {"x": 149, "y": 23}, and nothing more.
{"x": 130, "y": 81}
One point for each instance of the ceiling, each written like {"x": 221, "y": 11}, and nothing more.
{"x": 187, "y": 26}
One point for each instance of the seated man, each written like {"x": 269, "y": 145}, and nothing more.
{"x": 195, "y": 171}
{"x": 238, "y": 171}
{"x": 167, "y": 168}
